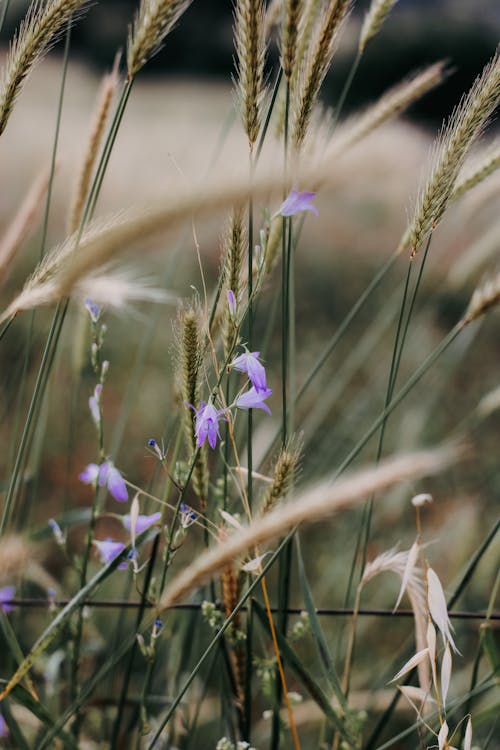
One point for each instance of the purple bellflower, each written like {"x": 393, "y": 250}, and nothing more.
{"x": 6, "y": 594}
{"x": 108, "y": 550}
{"x": 296, "y": 202}
{"x": 106, "y": 475}
{"x": 187, "y": 516}
{"x": 207, "y": 423}
{"x": 254, "y": 399}
{"x": 142, "y": 523}
{"x": 249, "y": 362}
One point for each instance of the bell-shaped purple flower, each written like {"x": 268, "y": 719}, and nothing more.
{"x": 6, "y": 594}
{"x": 254, "y": 399}
{"x": 249, "y": 362}
{"x": 106, "y": 475}
{"x": 108, "y": 550}
{"x": 4, "y": 729}
{"x": 143, "y": 522}
{"x": 296, "y": 202}
{"x": 93, "y": 310}
{"x": 207, "y": 423}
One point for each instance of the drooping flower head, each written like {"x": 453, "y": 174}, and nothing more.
{"x": 93, "y": 310}
{"x": 249, "y": 362}
{"x": 6, "y": 594}
{"x": 207, "y": 423}
{"x": 106, "y": 475}
{"x": 108, "y": 550}
{"x": 253, "y": 399}
{"x": 296, "y": 202}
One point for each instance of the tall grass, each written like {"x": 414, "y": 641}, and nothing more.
{"x": 161, "y": 527}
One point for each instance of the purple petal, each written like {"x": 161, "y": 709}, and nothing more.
{"x": 116, "y": 485}
{"x": 93, "y": 310}
{"x": 254, "y": 399}
{"x": 296, "y": 202}
{"x": 231, "y": 302}
{"x": 108, "y": 549}
{"x": 143, "y": 522}
{"x": 4, "y": 729}
{"x": 103, "y": 473}
{"x": 89, "y": 474}
{"x": 256, "y": 373}
{"x": 6, "y": 594}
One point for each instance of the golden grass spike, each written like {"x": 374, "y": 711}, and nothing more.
{"x": 155, "y": 19}
{"x": 107, "y": 90}
{"x": 375, "y": 17}
{"x": 40, "y": 29}
{"x": 391, "y": 104}
{"x": 479, "y": 170}
{"x": 293, "y": 12}
{"x": 234, "y": 254}
{"x": 464, "y": 126}
{"x": 316, "y": 67}
{"x": 250, "y": 45}
{"x": 284, "y": 474}
{"x": 22, "y": 224}
{"x": 311, "y": 506}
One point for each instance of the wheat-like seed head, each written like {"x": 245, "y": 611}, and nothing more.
{"x": 250, "y": 45}
{"x": 391, "y": 104}
{"x": 155, "y": 19}
{"x": 315, "y": 67}
{"x": 39, "y": 31}
{"x": 99, "y": 121}
{"x": 284, "y": 475}
{"x": 234, "y": 254}
{"x": 377, "y": 13}
{"x": 465, "y": 125}
{"x": 293, "y": 11}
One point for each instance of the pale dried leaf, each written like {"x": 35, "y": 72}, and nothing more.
{"x": 431, "y": 643}
{"x": 468, "y": 735}
{"x": 437, "y": 607}
{"x": 411, "y": 663}
{"x": 231, "y": 520}
{"x": 443, "y": 736}
{"x": 134, "y": 515}
{"x": 445, "y": 673}
{"x": 253, "y": 566}
{"x": 410, "y": 564}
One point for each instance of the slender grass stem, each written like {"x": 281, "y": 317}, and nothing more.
{"x": 347, "y": 87}
{"x": 3, "y": 13}
{"x": 213, "y": 643}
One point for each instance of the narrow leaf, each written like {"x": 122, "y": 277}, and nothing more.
{"x": 317, "y": 633}
{"x": 303, "y": 675}
{"x": 443, "y": 735}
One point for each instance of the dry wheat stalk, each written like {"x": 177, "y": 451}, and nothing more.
{"x": 273, "y": 16}
{"x": 40, "y": 29}
{"x": 465, "y": 125}
{"x": 377, "y": 13}
{"x": 311, "y": 506}
{"x": 316, "y": 67}
{"x": 250, "y": 45}
{"x": 391, "y": 104}
{"x": 23, "y": 223}
{"x": 234, "y": 254}
{"x": 99, "y": 121}
{"x": 293, "y": 12}
{"x": 155, "y": 19}
{"x": 284, "y": 474}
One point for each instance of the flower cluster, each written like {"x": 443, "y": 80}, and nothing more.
{"x": 208, "y": 417}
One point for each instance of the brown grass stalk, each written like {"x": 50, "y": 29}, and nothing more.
{"x": 465, "y": 125}
{"x": 39, "y": 30}
{"x": 154, "y": 21}
{"x": 250, "y": 45}
{"x": 313, "y": 505}
{"x": 316, "y": 67}
{"x": 375, "y": 17}
{"x": 107, "y": 91}
{"x": 23, "y": 223}
{"x": 293, "y": 12}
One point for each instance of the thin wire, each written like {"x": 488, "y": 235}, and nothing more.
{"x": 189, "y": 606}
